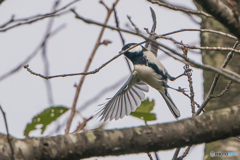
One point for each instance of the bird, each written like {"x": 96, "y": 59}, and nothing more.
{"x": 148, "y": 71}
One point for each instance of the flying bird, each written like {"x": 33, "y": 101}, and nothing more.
{"x": 148, "y": 70}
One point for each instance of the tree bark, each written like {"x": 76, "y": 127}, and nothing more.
{"x": 222, "y": 13}
{"x": 209, "y": 127}
{"x": 226, "y": 23}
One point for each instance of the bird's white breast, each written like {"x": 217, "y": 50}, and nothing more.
{"x": 149, "y": 76}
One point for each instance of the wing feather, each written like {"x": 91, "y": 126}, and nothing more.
{"x": 113, "y": 114}
{"x": 118, "y": 109}
{"x": 127, "y": 99}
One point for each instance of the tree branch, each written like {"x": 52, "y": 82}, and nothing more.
{"x": 176, "y": 8}
{"x": 209, "y": 127}
{"x": 222, "y": 13}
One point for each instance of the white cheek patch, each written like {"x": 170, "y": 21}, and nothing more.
{"x": 136, "y": 49}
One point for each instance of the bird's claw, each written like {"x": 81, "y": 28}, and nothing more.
{"x": 181, "y": 89}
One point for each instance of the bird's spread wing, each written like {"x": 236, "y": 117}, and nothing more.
{"x": 126, "y": 100}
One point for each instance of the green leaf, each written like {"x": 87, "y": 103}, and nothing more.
{"x": 45, "y": 118}
{"x": 143, "y": 111}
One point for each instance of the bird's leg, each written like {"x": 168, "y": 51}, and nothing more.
{"x": 179, "y": 89}
{"x": 184, "y": 74}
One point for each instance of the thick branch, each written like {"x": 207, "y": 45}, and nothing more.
{"x": 212, "y": 126}
{"x": 221, "y": 13}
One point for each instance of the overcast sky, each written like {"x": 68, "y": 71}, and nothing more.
{"x": 23, "y": 95}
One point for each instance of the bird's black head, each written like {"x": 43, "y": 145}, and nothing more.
{"x": 134, "y": 53}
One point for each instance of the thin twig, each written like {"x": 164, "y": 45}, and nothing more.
{"x": 101, "y": 1}
{"x": 185, "y": 153}
{"x": 121, "y": 36}
{"x": 82, "y": 73}
{"x": 8, "y": 136}
{"x": 175, "y": 155}
{"x": 188, "y": 11}
{"x": 32, "y": 54}
{"x": 200, "y": 48}
{"x": 30, "y": 22}
{"x": 36, "y": 18}
{"x": 150, "y": 156}
{"x": 217, "y": 76}
{"x": 82, "y": 125}
{"x": 156, "y": 156}
{"x": 224, "y": 91}
{"x": 184, "y": 93}
{"x": 79, "y": 86}
{"x": 202, "y": 30}
{"x": 44, "y": 55}
{"x": 135, "y": 27}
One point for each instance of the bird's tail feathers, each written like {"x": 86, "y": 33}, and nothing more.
{"x": 171, "y": 105}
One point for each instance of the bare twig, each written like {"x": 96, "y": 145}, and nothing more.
{"x": 8, "y": 136}
{"x": 224, "y": 91}
{"x": 175, "y": 155}
{"x": 156, "y": 156}
{"x": 200, "y": 48}
{"x": 44, "y": 56}
{"x": 184, "y": 93}
{"x": 185, "y": 153}
{"x": 79, "y": 86}
{"x": 121, "y": 36}
{"x": 117, "y": 26}
{"x": 217, "y": 76}
{"x": 32, "y": 54}
{"x": 202, "y": 30}
{"x": 150, "y": 156}
{"x": 135, "y": 27}
{"x": 101, "y": 2}
{"x": 82, "y": 73}
{"x": 36, "y": 18}
{"x": 82, "y": 125}
{"x": 31, "y": 21}
{"x": 188, "y": 11}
